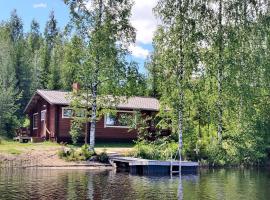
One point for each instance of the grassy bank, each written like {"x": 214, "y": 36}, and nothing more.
{"x": 16, "y": 148}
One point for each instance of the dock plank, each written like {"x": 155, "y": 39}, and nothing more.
{"x": 142, "y": 162}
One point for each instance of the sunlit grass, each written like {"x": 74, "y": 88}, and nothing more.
{"x": 16, "y": 148}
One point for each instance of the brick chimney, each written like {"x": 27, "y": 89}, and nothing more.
{"x": 75, "y": 87}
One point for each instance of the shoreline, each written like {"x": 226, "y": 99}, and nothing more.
{"x": 79, "y": 165}
{"x": 46, "y": 158}
{"x": 92, "y": 167}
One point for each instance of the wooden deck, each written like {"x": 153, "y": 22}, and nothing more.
{"x": 152, "y": 167}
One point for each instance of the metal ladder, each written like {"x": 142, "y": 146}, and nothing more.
{"x": 171, "y": 165}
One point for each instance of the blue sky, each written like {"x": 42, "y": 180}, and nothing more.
{"x": 142, "y": 19}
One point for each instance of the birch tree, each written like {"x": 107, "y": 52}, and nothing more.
{"x": 176, "y": 55}
{"x": 104, "y": 27}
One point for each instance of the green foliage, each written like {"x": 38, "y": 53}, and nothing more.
{"x": 9, "y": 93}
{"x": 75, "y": 131}
{"x": 26, "y": 123}
{"x": 85, "y": 152}
{"x": 209, "y": 69}
{"x": 156, "y": 150}
{"x": 72, "y": 154}
{"x": 102, "y": 67}
{"x": 103, "y": 157}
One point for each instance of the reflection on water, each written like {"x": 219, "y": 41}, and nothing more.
{"x": 96, "y": 184}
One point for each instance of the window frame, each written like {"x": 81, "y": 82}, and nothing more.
{"x": 43, "y": 111}
{"x": 34, "y": 115}
{"x": 118, "y": 111}
{"x": 65, "y": 117}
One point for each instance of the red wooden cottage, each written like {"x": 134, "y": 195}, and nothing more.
{"x": 50, "y": 117}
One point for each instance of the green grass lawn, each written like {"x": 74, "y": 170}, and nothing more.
{"x": 16, "y": 148}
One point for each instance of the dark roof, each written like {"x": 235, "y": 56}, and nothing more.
{"x": 64, "y": 98}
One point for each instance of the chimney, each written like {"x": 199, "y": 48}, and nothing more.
{"x": 75, "y": 87}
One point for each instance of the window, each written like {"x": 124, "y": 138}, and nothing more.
{"x": 35, "y": 121}
{"x": 67, "y": 112}
{"x": 43, "y": 115}
{"x": 110, "y": 120}
{"x": 119, "y": 120}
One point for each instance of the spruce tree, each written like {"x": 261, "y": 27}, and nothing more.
{"x": 51, "y": 33}
{"x": 9, "y": 93}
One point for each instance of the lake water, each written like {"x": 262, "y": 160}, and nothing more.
{"x": 232, "y": 184}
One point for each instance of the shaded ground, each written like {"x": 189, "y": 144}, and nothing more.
{"x": 14, "y": 154}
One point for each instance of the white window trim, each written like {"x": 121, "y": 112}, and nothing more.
{"x": 121, "y": 111}
{"x": 34, "y": 128}
{"x": 63, "y": 108}
{"x": 43, "y": 111}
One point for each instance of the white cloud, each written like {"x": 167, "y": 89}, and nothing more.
{"x": 40, "y": 5}
{"x": 144, "y": 20}
{"x": 145, "y": 23}
{"x": 138, "y": 51}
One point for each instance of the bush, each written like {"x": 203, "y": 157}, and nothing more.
{"x": 62, "y": 153}
{"x": 103, "y": 157}
{"x": 86, "y": 153}
{"x": 75, "y": 131}
{"x": 71, "y": 154}
{"x": 157, "y": 150}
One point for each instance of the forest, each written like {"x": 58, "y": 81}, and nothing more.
{"x": 210, "y": 66}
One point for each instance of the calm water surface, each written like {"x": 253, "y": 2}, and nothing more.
{"x": 95, "y": 184}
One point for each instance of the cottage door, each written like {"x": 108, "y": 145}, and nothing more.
{"x": 43, "y": 124}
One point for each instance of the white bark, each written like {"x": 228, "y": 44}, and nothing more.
{"x": 93, "y": 120}
{"x": 220, "y": 73}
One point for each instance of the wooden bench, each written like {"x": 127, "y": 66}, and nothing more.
{"x": 22, "y": 139}
{"x": 22, "y": 135}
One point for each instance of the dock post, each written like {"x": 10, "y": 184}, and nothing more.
{"x": 171, "y": 167}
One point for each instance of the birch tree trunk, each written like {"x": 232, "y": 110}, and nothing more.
{"x": 95, "y": 86}
{"x": 220, "y": 72}
{"x": 93, "y": 119}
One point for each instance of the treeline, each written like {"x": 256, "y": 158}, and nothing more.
{"x": 211, "y": 66}
{"x": 49, "y": 59}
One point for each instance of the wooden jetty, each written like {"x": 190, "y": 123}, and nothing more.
{"x": 152, "y": 167}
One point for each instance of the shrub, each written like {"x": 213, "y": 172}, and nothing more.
{"x": 103, "y": 157}
{"x": 61, "y": 153}
{"x": 71, "y": 154}
{"x": 86, "y": 153}
{"x": 157, "y": 150}
{"x": 75, "y": 131}
{"x": 67, "y": 154}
